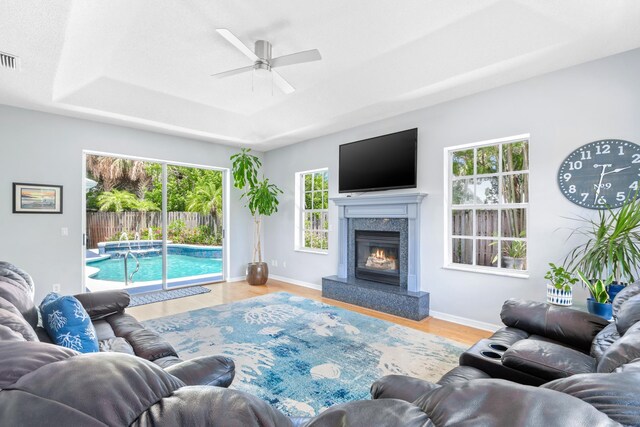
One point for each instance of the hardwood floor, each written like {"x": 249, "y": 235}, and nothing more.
{"x": 223, "y": 293}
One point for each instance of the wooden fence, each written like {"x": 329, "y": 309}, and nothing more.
{"x": 513, "y": 223}
{"x": 101, "y": 226}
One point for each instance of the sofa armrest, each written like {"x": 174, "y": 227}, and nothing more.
{"x": 400, "y": 387}
{"x": 572, "y": 327}
{"x": 547, "y": 360}
{"x": 104, "y": 303}
{"x": 205, "y": 370}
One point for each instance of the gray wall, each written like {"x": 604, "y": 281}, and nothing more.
{"x": 47, "y": 149}
{"x": 562, "y": 111}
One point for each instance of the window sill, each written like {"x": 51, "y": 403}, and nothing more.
{"x": 312, "y": 251}
{"x": 521, "y": 274}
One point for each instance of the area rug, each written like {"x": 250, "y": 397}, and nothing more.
{"x": 150, "y": 298}
{"x": 303, "y": 356}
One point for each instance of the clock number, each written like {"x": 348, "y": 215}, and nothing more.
{"x": 586, "y": 155}
{"x": 602, "y": 201}
{"x": 572, "y": 189}
{"x": 584, "y": 196}
{"x": 606, "y": 149}
{"x": 567, "y": 176}
{"x": 636, "y": 158}
{"x": 621, "y": 151}
{"x": 620, "y": 196}
{"x": 634, "y": 185}
{"x": 578, "y": 164}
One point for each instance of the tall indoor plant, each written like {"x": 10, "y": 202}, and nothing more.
{"x": 612, "y": 245}
{"x": 262, "y": 200}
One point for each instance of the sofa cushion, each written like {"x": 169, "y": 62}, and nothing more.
{"x": 111, "y": 388}
{"x": 146, "y": 343}
{"x": 21, "y": 358}
{"x": 492, "y": 402}
{"x": 16, "y": 293}
{"x": 614, "y": 394}
{"x": 547, "y": 360}
{"x": 15, "y": 322}
{"x": 570, "y": 327}
{"x": 603, "y": 340}
{"x": 622, "y": 297}
{"x": 116, "y": 345}
{"x": 624, "y": 350}
{"x": 104, "y": 303}
{"x": 25, "y": 276}
{"x": 68, "y": 324}
{"x": 628, "y": 314}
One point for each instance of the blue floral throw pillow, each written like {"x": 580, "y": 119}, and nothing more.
{"x": 68, "y": 324}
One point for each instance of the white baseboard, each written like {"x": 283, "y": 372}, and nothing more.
{"x": 465, "y": 321}
{"x": 296, "y": 282}
{"x": 236, "y": 279}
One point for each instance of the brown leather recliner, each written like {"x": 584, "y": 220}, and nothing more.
{"x": 116, "y": 331}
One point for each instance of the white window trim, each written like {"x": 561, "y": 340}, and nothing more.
{"x": 448, "y": 179}
{"x": 298, "y": 241}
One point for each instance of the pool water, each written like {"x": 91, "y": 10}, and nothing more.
{"x": 151, "y": 268}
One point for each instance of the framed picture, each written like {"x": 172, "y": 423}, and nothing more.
{"x": 37, "y": 198}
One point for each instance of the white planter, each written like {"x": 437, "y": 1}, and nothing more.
{"x": 558, "y": 296}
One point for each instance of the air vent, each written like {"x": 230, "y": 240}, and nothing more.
{"x": 9, "y": 61}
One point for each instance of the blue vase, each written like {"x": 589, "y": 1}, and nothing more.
{"x": 599, "y": 308}
{"x": 613, "y": 290}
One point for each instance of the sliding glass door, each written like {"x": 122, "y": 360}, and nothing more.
{"x": 151, "y": 225}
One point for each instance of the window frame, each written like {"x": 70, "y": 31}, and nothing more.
{"x": 300, "y": 191}
{"x": 449, "y": 207}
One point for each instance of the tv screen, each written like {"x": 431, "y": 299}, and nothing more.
{"x": 381, "y": 163}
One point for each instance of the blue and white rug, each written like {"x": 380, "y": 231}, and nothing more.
{"x": 303, "y": 356}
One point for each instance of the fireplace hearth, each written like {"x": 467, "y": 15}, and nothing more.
{"x": 377, "y": 256}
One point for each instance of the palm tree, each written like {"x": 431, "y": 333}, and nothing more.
{"x": 117, "y": 201}
{"x": 207, "y": 200}
{"x": 112, "y": 172}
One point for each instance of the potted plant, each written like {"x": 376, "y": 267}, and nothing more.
{"x": 599, "y": 303}
{"x": 560, "y": 290}
{"x": 514, "y": 253}
{"x": 262, "y": 200}
{"x": 612, "y": 245}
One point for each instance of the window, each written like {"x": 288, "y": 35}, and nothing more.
{"x": 312, "y": 201}
{"x": 488, "y": 210}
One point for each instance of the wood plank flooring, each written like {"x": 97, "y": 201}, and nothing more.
{"x": 223, "y": 293}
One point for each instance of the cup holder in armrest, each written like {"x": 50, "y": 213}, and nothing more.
{"x": 498, "y": 347}
{"x": 490, "y": 354}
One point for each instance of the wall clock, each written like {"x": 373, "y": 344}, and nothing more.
{"x": 601, "y": 174}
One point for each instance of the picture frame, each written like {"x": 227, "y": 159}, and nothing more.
{"x": 37, "y": 198}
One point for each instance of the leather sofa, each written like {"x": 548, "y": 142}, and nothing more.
{"x": 543, "y": 342}
{"x": 116, "y": 331}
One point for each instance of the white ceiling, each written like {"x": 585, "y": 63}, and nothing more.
{"x": 147, "y": 63}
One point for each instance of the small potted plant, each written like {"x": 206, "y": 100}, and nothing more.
{"x": 560, "y": 288}
{"x": 262, "y": 200}
{"x": 599, "y": 302}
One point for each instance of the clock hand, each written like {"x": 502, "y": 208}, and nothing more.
{"x": 604, "y": 167}
{"x": 617, "y": 170}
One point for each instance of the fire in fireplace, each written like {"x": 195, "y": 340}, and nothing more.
{"x": 377, "y": 256}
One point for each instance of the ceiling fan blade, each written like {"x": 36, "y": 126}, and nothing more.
{"x": 296, "y": 58}
{"x": 237, "y": 43}
{"x": 233, "y": 72}
{"x": 282, "y": 84}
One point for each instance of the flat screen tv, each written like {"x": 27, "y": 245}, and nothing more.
{"x": 381, "y": 163}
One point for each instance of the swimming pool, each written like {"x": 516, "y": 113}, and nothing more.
{"x": 178, "y": 266}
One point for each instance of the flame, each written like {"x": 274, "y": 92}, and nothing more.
{"x": 380, "y": 254}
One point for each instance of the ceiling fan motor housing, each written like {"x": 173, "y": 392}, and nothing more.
{"x": 263, "y": 51}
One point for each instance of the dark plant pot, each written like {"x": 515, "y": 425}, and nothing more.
{"x": 613, "y": 289}
{"x": 257, "y": 273}
{"x": 599, "y": 309}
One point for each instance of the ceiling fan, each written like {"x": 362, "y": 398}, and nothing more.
{"x": 263, "y": 60}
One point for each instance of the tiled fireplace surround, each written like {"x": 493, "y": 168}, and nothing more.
{"x": 397, "y": 212}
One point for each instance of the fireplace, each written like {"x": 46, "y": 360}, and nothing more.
{"x": 377, "y": 256}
